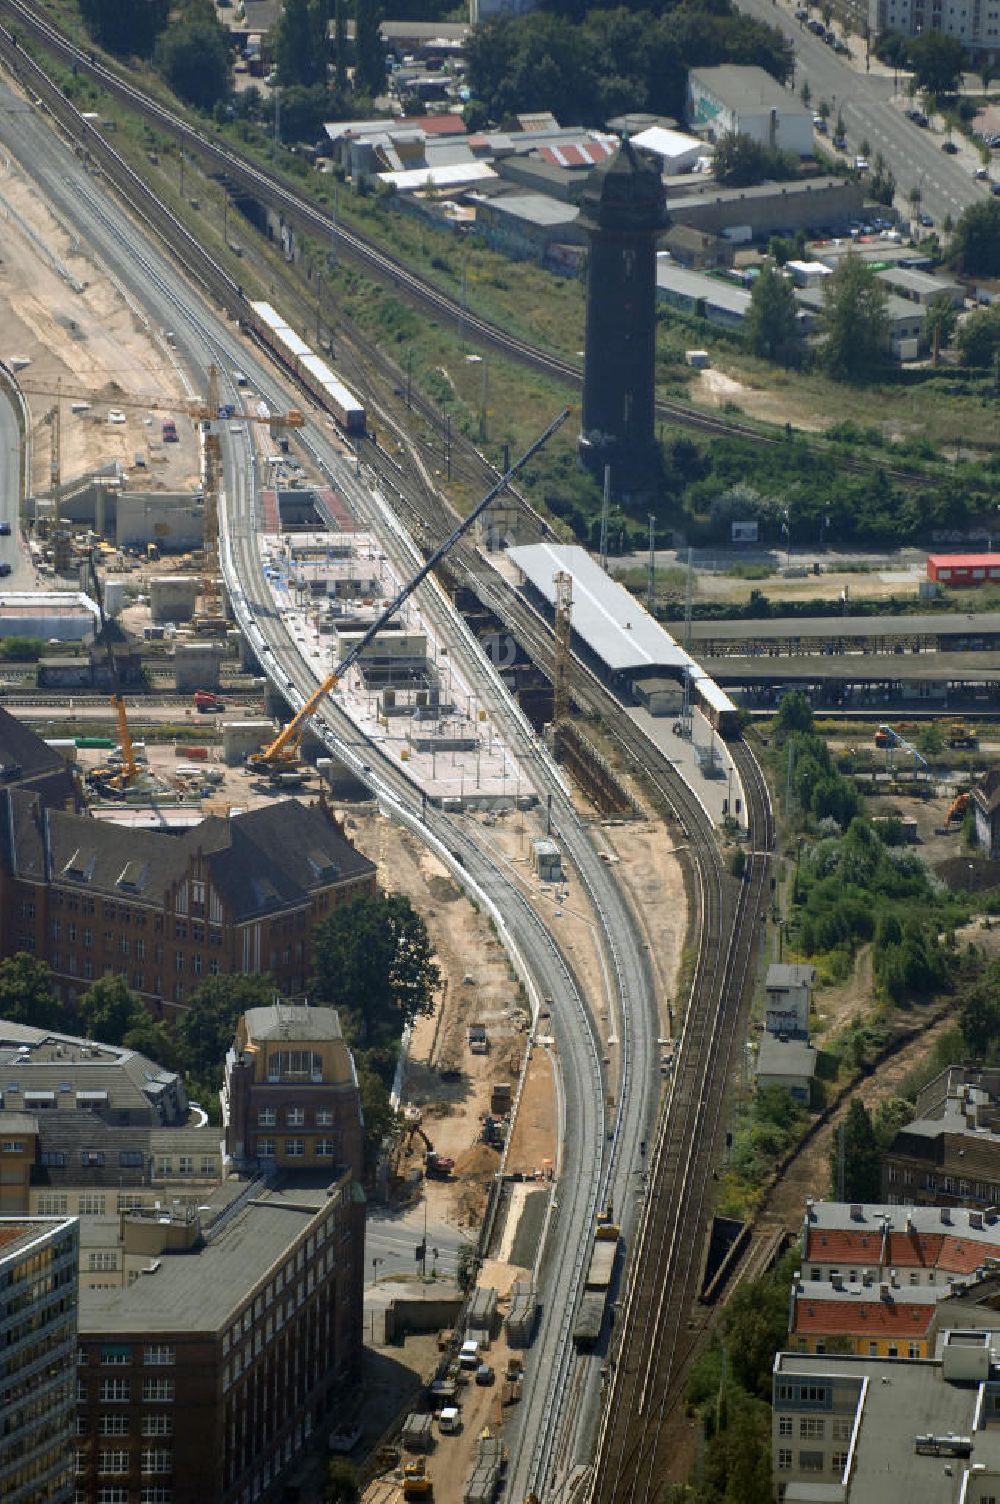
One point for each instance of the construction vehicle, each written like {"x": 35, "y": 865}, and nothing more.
{"x": 283, "y": 754}
{"x": 206, "y": 701}
{"x": 436, "y": 1166}
{"x": 960, "y": 735}
{"x": 416, "y": 1484}
{"x": 892, "y": 740}
{"x": 111, "y": 779}
{"x": 959, "y": 805}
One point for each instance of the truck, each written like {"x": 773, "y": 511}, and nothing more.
{"x": 169, "y": 431}
{"x": 206, "y": 700}
{"x": 590, "y": 1316}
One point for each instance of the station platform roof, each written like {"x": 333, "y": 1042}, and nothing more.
{"x": 855, "y": 668}
{"x": 611, "y": 622}
{"x": 785, "y": 628}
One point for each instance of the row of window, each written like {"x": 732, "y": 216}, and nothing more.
{"x": 811, "y": 1462}
{"x": 813, "y": 1427}
{"x": 95, "y": 1203}
{"x": 112, "y": 1460}
{"x": 118, "y": 1425}
{"x": 119, "y": 1391}
{"x": 158, "y": 1493}
{"x": 294, "y": 1148}
{"x": 929, "y": 1181}
{"x": 295, "y": 1117}
{"x": 85, "y": 968}
{"x": 816, "y": 1273}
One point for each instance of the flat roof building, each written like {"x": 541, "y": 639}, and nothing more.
{"x": 38, "y": 1322}
{"x": 858, "y": 1430}
{"x": 748, "y": 101}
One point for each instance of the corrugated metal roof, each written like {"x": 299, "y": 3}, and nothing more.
{"x": 609, "y": 620}
{"x": 964, "y": 561}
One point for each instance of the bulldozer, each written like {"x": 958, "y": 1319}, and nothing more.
{"x": 416, "y": 1484}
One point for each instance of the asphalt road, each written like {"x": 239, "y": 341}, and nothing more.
{"x": 872, "y": 111}
{"x": 595, "y": 1163}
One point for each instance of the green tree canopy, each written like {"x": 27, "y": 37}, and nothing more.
{"x": 739, "y": 161}
{"x": 772, "y": 327}
{"x": 300, "y": 44}
{"x": 208, "y": 1023}
{"x": 193, "y": 57}
{"x": 27, "y": 995}
{"x": 130, "y": 28}
{"x": 369, "y": 49}
{"x": 940, "y": 320}
{"x": 794, "y": 713}
{"x": 373, "y": 963}
{"x": 862, "y": 1167}
{"x": 978, "y": 338}
{"x": 109, "y": 1009}
{"x": 976, "y": 241}
{"x": 937, "y": 61}
{"x": 854, "y": 322}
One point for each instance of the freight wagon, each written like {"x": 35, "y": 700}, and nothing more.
{"x": 307, "y": 367}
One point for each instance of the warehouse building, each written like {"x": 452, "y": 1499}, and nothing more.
{"x": 963, "y": 570}
{"x": 748, "y": 101}
{"x": 723, "y": 303}
{"x": 827, "y": 205}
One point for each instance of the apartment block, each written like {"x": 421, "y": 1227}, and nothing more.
{"x": 203, "y": 1378}
{"x": 974, "y": 23}
{"x": 94, "y": 1130}
{"x": 290, "y": 1093}
{"x": 853, "y": 1430}
{"x": 949, "y": 1155}
{"x": 881, "y": 1322}
{"x": 38, "y": 1315}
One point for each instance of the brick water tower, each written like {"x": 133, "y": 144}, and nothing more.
{"x": 623, "y": 210}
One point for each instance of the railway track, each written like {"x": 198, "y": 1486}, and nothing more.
{"x": 271, "y": 190}
{"x": 678, "y": 1186}
{"x": 657, "y": 1337}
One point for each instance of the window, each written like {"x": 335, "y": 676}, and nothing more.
{"x": 114, "y": 1355}
{"x": 140, "y": 950}
{"x": 88, "y": 936}
{"x": 208, "y": 1165}
{"x": 324, "y": 1148}
{"x": 811, "y": 1427}
{"x": 112, "y": 1496}
{"x": 873, "y": 1349}
{"x": 267, "y": 1117}
{"x": 156, "y": 1493}
{"x": 838, "y": 1461}
{"x": 784, "y": 1459}
{"x": 157, "y": 1460}
{"x": 102, "y": 1261}
{"x": 810, "y": 1462}
{"x": 53, "y": 1206}
{"x": 840, "y": 1428}
{"x": 91, "y": 1159}
{"x": 784, "y": 1425}
{"x": 213, "y": 966}
{"x": 115, "y": 1391}
{"x": 159, "y": 1355}
{"x": 157, "y": 1390}
{"x": 113, "y": 1425}
{"x": 265, "y": 1148}
{"x": 914, "y": 1351}
{"x": 126, "y": 1203}
{"x": 295, "y": 1147}
{"x": 324, "y": 1117}
{"x": 178, "y": 961}
{"x": 130, "y": 1159}
{"x": 123, "y": 945}
{"x": 185, "y": 1165}
{"x": 282, "y": 1064}
{"x": 295, "y": 1117}
{"x": 196, "y": 964}
{"x": 157, "y": 1425}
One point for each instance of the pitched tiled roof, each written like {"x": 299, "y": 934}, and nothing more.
{"x": 874, "y": 1318}
{"x": 845, "y": 1245}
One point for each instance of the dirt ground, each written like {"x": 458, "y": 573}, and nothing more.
{"x": 74, "y": 330}
{"x": 714, "y": 388}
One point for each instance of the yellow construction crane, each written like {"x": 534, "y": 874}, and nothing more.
{"x": 115, "y": 780}
{"x": 283, "y": 754}
{"x": 204, "y": 408}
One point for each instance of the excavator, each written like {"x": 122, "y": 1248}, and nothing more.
{"x": 283, "y": 755}
{"x": 959, "y": 805}
{"x": 436, "y": 1166}
{"x": 113, "y": 780}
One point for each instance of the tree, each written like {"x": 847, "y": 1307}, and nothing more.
{"x": 339, "y": 47}
{"x": 130, "y": 29}
{"x": 976, "y": 242}
{"x": 772, "y": 324}
{"x": 937, "y": 61}
{"x": 208, "y": 1024}
{"x": 940, "y": 320}
{"x": 978, "y": 339}
{"x": 881, "y": 181}
{"x": 854, "y": 322}
{"x": 194, "y": 59}
{"x": 806, "y": 94}
{"x": 342, "y": 1485}
{"x": 369, "y": 49}
{"x": 148, "y": 1036}
{"x": 739, "y": 161}
{"x": 862, "y": 1168}
{"x": 794, "y": 714}
{"x": 109, "y": 1009}
{"x": 296, "y": 56}
{"x": 27, "y": 995}
{"x": 373, "y": 963}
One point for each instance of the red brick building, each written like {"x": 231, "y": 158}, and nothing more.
{"x": 163, "y": 911}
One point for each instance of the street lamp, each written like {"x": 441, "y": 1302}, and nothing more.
{"x": 375, "y": 1264}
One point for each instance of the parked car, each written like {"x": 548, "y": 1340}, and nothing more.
{"x": 927, "y": 220}
{"x": 982, "y": 174}
{"x": 4, "y": 569}
{"x": 840, "y": 142}
{"x": 949, "y": 147}
{"x": 4, "y": 529}
{"x": 841, "y": 46}
{"x": 819, "y": 124}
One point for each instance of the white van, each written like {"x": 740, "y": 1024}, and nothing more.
{"x": 468, "y": 1358}
{"x": 450, "y": 1420}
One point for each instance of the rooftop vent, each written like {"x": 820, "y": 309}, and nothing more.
{"x": 80, "y": 866}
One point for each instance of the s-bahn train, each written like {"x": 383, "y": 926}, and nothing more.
{"x": 715, "y": 705}
{"x": 306, "y": 366}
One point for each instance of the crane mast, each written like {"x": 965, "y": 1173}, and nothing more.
{"x": 283, "y": 753}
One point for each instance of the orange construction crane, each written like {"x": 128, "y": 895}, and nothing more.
{"x": 282, "y": 755}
